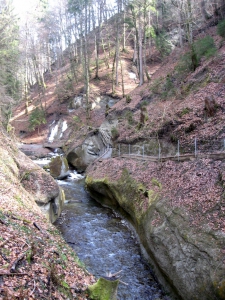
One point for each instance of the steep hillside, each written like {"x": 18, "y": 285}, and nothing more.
{"x": 177, "y": 208}
{"x": 35, "y": 262}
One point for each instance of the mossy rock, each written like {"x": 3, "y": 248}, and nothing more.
{"x": 59, "y": 167}
{"x": 103, "y": 289}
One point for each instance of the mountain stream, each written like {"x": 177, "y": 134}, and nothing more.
{"x": 105, "y": 243}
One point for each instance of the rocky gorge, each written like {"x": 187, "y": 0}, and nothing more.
{"x": 177, "y": 210}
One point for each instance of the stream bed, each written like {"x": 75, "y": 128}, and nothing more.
{"x": 105, "y": 243}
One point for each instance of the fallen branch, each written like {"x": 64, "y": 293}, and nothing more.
{"x": 36, "y": 225}
{"x": 15, "y": 263}
{"x": 13, "y": 274}
{"x": 40, "y": 229}
{"x": 123, "y": 282}
{"x": 115, "y": 274}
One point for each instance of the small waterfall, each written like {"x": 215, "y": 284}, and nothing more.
{"x": 56, "y": 131}
{"x": 53, "y": 133}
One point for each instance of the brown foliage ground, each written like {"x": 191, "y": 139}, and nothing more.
{"x": 35, "y": 262}
{"x": 196, "y": 186}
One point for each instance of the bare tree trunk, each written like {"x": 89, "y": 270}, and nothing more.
{"x": 113, "y": 75}
{"x": 122, "y": 77}
{"x": 140, "y": 50}
{"x": 117, "y": 47}
{"x": 189, "y": 22}
{"x": 180, "y": 22}
{"x": 86, "y": 66}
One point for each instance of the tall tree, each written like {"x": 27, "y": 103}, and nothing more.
{"x": 138, "y": 19}
{"x": 82, "y": 9}
{"x": 9, "y": 55}
{"x": 9, "y": 49}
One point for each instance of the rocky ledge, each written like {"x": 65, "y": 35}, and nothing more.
{"x": 177, "y": 210}
{"x": 35, "y": 181}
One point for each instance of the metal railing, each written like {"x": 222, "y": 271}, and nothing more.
{"x": 158, "y": 150}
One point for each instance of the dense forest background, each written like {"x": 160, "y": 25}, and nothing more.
{"x": 87, "y": 34}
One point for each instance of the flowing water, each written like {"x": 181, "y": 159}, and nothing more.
{"x": 104, "y": 242}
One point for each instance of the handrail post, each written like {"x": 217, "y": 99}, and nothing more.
{"x": 143, "y": 150}
{"x": 129, "y": 149}
{"x": 178, "y": 150}
{"x": 119, "y": 149}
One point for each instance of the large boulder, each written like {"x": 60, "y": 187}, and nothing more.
{"x": 178, "y": 212}
{"x": 97, "y": 144}
{"x": 29, "y": 181}
{"x": 43, "y": 188}
{"x": 59, "y": 167}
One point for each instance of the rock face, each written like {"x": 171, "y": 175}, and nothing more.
{"x": 45, "y": 191}
{"x": 187, "y": 254}
{"x": 34, "y": 181}
{"x": 97, "y": 144}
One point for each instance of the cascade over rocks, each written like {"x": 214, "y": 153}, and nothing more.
{"x": 182, "y": 231}
{"x": 59, "y": 167}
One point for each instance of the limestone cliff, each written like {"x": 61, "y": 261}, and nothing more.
{"x": 177, "y": 210}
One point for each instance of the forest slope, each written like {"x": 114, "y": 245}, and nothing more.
{"x": 176, "y": 207}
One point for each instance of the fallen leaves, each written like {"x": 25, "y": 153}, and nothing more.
{"x": 31, "y": 248}
{"x": 195, "y": 186}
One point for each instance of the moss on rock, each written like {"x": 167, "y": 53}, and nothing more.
{"x": 59, "y": 167}
{"x": 103, "y": 289}
{"x": 186, "y": 259}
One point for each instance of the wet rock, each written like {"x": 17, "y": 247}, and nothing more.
{"x": 59, "y": 167}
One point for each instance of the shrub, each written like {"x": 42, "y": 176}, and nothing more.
{"x": 184, "y": 65}
{"x": 156, "y": 85}
{"x": 129, "y": 117}
{"x": 221, "y": 28}
{"x": 128, "y": 99}
{"x": 114, "y": 133}
{"x": 168, "y": 87}
{"x": 163, "y": 86}
{"x": 144, "y": 103}
{"x": 204, "y": 47}
{"x": 76, "y": 119}
{"x": 185, "y": 111}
